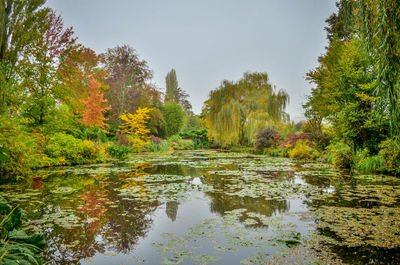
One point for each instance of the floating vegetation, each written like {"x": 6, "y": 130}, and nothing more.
{"x": 317, "y": 173}
{"x": 318, "y": 166}
{"x": 220, "y": 207}
{"x": 161, "y": 178}
{"x": 354, "y": 227}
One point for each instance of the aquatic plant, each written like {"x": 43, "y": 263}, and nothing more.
{"x": 16, "y": 247}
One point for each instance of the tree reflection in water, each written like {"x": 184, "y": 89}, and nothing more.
{"x": 105, "y": 221}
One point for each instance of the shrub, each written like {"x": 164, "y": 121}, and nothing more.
{"x": 89, "y": 150}
{"x": 193, "y": 122}
{"x": 279, "y": 152}
{"x": 122, "y": 139}
{"x": 292, "y": 139}
{"x": 185, "y": 144}
{"x": 302, "y": 151}
{"x": 341, "y": 155}
{"x": 265, "y": 138}
{"x": 19, "y": 151}
{"x": 390, "y": 153}
{"x": 118, "y": 151}
{"x": 175, "y": 138}
{"x": 199, "y": 137}
{"x": 174, "y": 118}
{"x": 321, "y": 139}
{"x": 215, "y": 145}
{"x": 95, "y": 134}
{"x": 155, "y": 139}
{"x": 62, "y": 145}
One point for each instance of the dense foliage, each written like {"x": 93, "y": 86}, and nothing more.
{"x": 63, "y": 104}
{"x": 265, "y": 138}
{"x": 236, "y": 111}
{"x": 174, "y": 118}
{"x": 355, "y": 98}
{"x": 17, "y": 247}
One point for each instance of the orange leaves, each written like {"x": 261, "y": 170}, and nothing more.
{"x": 93, "y": 113}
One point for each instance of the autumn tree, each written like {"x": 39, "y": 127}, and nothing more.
{"x": 129, "y": 82}
{"x": 76, "y": 72}
{"x": 236, "y": 111}
{"x": 135, "y": 125}
{"x": 93, "y": 113}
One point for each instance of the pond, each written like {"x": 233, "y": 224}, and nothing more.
{"x": 201, "y": 207}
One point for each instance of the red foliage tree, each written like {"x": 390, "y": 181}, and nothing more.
{"x": 93, "y": 113}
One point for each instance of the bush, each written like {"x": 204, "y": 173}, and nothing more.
{"x": 95, "y": 134}
{"x": 68, "y": 150}
{"x": 340, "y": 155}
{"x": 193, "y": 122}
{"x": 277, "y": 152}
{"x": 62, "y": 145}
{"x": 175, "y": 138}
{"x": 118, "y": 151}
{"x": 174, "y": 118}
{"x": 185, "y": 144}
{"x": 90, "y": 150}
{"x": 19, "y": 151}
{"x": 321, "y": 139}
{"x": 265, "y": 138}
{"x": 302, "y": 151}
{"x": 390, "y": 153}
{"x": 122, "y": 139}
{"x": 292, "y": 139}
{"x": 155, "y": 139}
{"x": 199, "y": 137}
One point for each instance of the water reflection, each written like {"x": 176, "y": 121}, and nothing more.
{"x": 172, "y": 210}
{"x": 84, "y": 214}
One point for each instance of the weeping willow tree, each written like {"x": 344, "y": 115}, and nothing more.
{"x": 379, "y": 24}
{"x": 236, "y": 111}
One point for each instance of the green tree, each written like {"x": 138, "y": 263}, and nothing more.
{"x": 344, "y": 96}
{"x": 22, "y": 23}
{"x": 174, "y": 118}
{"x": 379, "y": 25}
{"x": 171, "y": 83}
{"x": 175, "y": 93}
{"x": 40, "y": 71}
{"x": 236, "y": 111}
{"x": 193, "y": 123}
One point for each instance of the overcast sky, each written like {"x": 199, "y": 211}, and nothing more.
{"x": 208, "y": 41}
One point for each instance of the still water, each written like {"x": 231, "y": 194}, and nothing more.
{"x": 206, "y": 207}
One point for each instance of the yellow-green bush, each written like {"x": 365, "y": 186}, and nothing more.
{"x": 302, "y": 151}
{"x": 341, "y": 155}
{"x": 68, "y": 150}
{"x": 390, "y": 154}
{"x": 20, "y": 152}
{"x": 89, "y": 150}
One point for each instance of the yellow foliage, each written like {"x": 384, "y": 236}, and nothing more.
{"x": 135, "y": 125}
{"x": 303, "y": 151}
